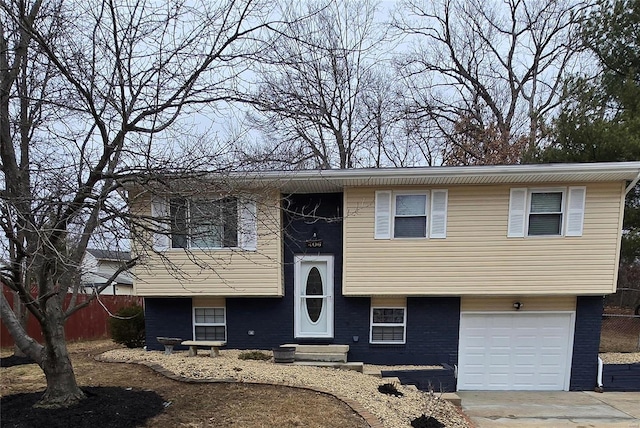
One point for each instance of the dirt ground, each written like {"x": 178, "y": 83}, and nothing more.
{"x": 143, "y": 393}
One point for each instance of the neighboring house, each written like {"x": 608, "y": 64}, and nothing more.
{"x": 98, "y": 266}
{"x": 498, "y": 270}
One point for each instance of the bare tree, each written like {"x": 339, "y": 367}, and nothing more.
{"x": 491, "y": 67}
{"x": 92, "y": 92}
{"x": 319, "y": 100}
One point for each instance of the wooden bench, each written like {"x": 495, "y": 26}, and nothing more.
{"x": 194, "y": 344}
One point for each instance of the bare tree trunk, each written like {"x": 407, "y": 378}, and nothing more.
{"x": 62, "y": 388}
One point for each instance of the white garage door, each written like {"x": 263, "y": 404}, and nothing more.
{"x": 515, "y": 351}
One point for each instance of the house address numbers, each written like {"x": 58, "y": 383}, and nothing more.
{"x": 314, "y": 243}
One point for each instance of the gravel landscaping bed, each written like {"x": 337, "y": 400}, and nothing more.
{"x": 393, "y": 412}
{"x": 620, "y": 357}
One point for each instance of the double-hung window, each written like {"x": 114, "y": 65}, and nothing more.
{"x": 228, "y": 222}
{"x": 204, "y": 223}
{"x": 411, "y": 214}
{"x": 209, "y": 324}
{"x": 546, "y": 212}
{"x": 388, "y": 325}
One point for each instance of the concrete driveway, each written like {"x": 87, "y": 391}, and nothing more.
{"x": 552, "y": 409}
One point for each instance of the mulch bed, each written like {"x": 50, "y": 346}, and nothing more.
{"x": 104, "y": 407}
{"x": 15, "y": 361}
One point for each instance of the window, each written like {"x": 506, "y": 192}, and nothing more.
{"x": 410, "y": 218}
{"x": 546, "y": 212}
{"x": 204, "y": 223}
{"x": 411, "y": 214}
{"x": 388, "y": 325}
{"x": 199, "y": 223}
{"x": 209, "y": 324}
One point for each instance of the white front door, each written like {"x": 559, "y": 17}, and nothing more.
{"x": 515, "y": 351}
{"x": 313, "y": 308}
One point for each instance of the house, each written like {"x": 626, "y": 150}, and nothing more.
{"x": 499, "y": 271}
{"x": 98, "y": 266}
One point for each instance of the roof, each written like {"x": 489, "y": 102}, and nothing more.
{"x": 120, "y": 280}
{"x": 310, "y": 181}
{"x": 111, "y": 255}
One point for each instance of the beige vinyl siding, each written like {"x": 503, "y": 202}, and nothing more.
{"x": 529, "y": 303}
{"x": 219, "y": 272}
{"x": 476, "y": 257}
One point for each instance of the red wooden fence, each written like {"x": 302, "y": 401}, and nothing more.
{"x": 88, "y": 323}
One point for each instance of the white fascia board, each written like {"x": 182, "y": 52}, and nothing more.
{"x": 336, "y": 179}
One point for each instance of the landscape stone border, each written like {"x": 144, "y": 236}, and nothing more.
{"x": 369, "y": 418}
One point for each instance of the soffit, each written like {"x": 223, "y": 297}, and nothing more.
{"x": 323, "y": 181}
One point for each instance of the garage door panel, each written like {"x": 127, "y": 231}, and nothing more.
{"x": 515, "y": 351}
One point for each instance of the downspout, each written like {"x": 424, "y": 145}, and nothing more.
{"x": 632, "y": 184}
{"x": 600, "y": 388}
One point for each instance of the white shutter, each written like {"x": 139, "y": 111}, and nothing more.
{"x": 517, "y": 213}
{"x": 248, "y": 230}
{"x": 438, "y": 228}
{"x": 575, "y": 211}
{"x": 383, "y": 215}
{"x": 160, "y": 223}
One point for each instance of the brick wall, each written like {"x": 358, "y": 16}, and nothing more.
{"x": 169, "y": 317}
{"x": 586, "y": 341}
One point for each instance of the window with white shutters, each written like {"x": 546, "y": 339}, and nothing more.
{"x": 205, "y": 223}
{"x": 546, "y": 212}
{"x": 420, "y": 214}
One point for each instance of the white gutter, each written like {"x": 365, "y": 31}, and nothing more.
{"x": 632, "y": 184}
{"x": 630, "y": 168}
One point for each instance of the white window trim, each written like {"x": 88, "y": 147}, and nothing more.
{"x": 563, "y": 209}
{"x": 388, "y": 342}
{"x": 224, "y": 323}
{"x": 427, "y": 213}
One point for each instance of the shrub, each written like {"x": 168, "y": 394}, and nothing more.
{"x": 425, "y": 421}
{"x": 390, "y": 389}
{"x": 127, "y": 327}
{"x": 254, "y": 355}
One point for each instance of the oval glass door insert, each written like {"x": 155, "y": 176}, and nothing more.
{"x": 314, "y": 288}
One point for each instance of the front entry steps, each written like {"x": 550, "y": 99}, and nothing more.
{"x": 320, "y": 353}
{"x": 334, "y": 356}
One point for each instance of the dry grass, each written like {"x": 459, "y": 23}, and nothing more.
{"x": 194, "y": 405}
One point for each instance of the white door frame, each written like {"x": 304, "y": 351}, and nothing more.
{"x": 569, "y": 350}
{"x": 327, "y": 297}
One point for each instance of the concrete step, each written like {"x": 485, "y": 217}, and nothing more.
{"x": 358, "y": 367}
{"x": 319, "y": 349}
{"x": 324, "y": 356}
{"x": 372, "y": 372}
{"x": 452, "y": 398}
{"x": 393, "y": 380}
{"x": 327, "y": 353}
